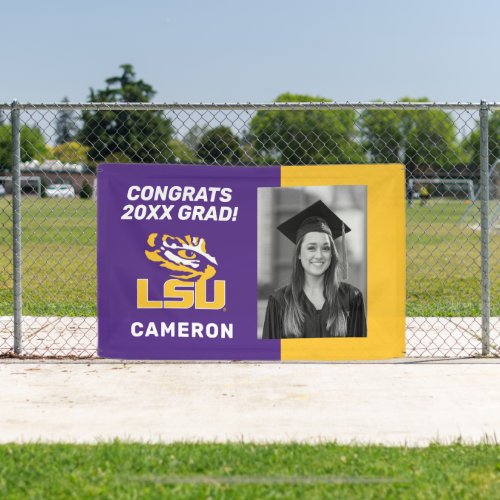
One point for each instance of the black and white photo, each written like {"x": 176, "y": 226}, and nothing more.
{"x": 314, "y": 281}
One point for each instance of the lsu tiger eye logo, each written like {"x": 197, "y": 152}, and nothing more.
{"x": 189, "y": 266}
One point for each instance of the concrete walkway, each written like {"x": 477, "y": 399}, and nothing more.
{"x": 405, "y": 401}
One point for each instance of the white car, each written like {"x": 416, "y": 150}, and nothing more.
{"x": 2, "y": 191}
{"x": 60, "y": 191}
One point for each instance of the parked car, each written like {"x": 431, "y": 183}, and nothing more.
{"x": 2, "y": 191}
{"x": 60, "y": 191}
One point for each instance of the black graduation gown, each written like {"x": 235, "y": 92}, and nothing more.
{"x": 315, "y": 320}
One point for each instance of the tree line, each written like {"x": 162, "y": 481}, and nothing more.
{"x": 415, "y": 138}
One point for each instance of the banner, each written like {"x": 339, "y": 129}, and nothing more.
{"x": 251, "y": 263}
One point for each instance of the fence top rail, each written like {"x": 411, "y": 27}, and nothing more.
{"x": 293, "y": 106}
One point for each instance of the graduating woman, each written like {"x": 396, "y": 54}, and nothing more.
{"x": 315, "y": 303}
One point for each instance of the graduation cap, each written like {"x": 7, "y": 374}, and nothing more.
{"x": 320, "y": 219}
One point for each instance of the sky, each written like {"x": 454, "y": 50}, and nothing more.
{"x": 228, "y": 51}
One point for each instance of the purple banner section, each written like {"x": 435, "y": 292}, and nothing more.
{"x": 177, "y": 262}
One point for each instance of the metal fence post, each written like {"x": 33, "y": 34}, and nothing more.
{"x": 16, "y": 223}
{"x": 485, "y": 229}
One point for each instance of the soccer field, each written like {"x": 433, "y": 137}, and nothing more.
{"x": 59, "y": 259}
{"x": 443, "y": 260}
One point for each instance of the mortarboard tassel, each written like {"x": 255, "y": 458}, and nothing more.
{"x": 345, "y": 265}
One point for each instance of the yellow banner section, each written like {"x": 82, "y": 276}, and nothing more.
{"x": 386, "y": 254}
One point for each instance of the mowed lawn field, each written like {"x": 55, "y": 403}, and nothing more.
{"x": 59, "y": 258}
{"x": 443, "y": 259}
{"x": 118, "y": 470}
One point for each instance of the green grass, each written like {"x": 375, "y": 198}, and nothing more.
{"x": 444, "y": 261}
{"x": 59, "y": 259}
{"x": 118, "y": 470}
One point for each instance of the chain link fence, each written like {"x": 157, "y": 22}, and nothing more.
{"x": 48, "y": 185}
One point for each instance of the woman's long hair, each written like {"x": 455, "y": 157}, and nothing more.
{"x": 294, "y": 315}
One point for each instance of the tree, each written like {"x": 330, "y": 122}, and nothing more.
{"x": 471, "y": 144}
{"x": 71, "y": 152}
{"x": 302, "y": 137}
{"x": 117, "y": 157}
{"x": 430, "y": 138}
{"x": 219, "y": 146}
{"x": 413, "y": 137}
{"x": 193, "y": 136}
{"x": 141, "y": 136}
{"x": 382, "y": 135}
{"x": 33, "y": 145}
{"x": 182, "y": 153}
{"x": 66, "y": 127}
